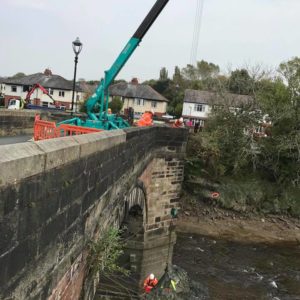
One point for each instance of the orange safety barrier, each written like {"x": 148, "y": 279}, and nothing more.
{"x": 44, "y": 130}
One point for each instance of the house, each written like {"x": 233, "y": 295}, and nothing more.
{"x": 2, "y": 90}
{"x": 197, "y": 104}
{"x": 58, "y": 87}
{"x": 140, "y": 97}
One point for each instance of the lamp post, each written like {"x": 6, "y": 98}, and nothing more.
{"x": 77, "y": 46}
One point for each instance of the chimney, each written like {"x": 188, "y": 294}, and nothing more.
{"x": 47, "y": 72}
{"x": 134, "y": 81}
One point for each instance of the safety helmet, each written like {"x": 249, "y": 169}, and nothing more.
{"x": 151, "y": 276}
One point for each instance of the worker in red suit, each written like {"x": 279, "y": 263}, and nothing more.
{"x": 146, "y": 119}
{"x": 149, "y": 283}
{"x": 178, "y": 123}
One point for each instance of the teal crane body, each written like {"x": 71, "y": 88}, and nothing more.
{"x": 99, "y": 100}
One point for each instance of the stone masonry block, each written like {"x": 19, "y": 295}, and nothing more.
{"x": 59, "y": 151}
{"x": 100, "y": 141}
{"x": 21, "y": 160}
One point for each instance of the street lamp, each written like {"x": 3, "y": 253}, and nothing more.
{"x": 77, "y": 46}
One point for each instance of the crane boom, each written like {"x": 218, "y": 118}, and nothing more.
{"x": 101, "y": 93}
{"x": 110, "y": 75}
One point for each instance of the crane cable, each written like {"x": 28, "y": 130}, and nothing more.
{"x": 196, "y": 34}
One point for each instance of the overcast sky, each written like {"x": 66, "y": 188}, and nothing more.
{"x": 36, "y": 34}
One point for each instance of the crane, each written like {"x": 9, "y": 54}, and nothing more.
{"x": 100, "y": 98}
{"x": 37, "y": 86}
{"x": 20, "y": 103}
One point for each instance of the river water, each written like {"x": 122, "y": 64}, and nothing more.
{"x": 232, "y": 271}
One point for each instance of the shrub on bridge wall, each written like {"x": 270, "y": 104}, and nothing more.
{"x": 105, "y": 252}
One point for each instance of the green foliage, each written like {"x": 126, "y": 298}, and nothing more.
{"x": 19, "y": 75}
{"x": 203, "y": 70}
{"x": 163, "y": 74}
{"x": 190, "y": 73}
{"x": 116, "y": 104}
{"x": 178, "y": 110}
{"x": 240, "y": 82}
{"x": 105, "y": 252}
{"x": 262, "y": 173}
{"x": 177, "y": 77}
{"x": 207, "y": 70}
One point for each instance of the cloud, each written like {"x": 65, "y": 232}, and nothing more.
{"x": 33, "y": 4}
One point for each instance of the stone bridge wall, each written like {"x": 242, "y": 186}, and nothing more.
{"x": 56, "y": 195}
{"x": 20, "y": 122}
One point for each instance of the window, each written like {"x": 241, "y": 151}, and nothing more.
{"x": 61, "y": 93}
{"x": 45, "y": 104}
{"x": 13, "y": 88}
{"x": 139, "y": 102}
{"x": 153, "y": 104}
{"x": 50, "y": 91}
{"x": 25, "y": 88}
{"x": 199, "y": 107}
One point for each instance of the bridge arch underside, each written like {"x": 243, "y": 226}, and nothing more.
{"x": 134, "y": 216}
{"x": 59, "y": 194}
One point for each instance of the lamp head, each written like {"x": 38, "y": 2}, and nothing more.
{"x": 77, "y": 46}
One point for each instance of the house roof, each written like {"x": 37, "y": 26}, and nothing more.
{"x": 47, "y": 81}
{"x": 141, "y": 91}
{"x": 206, "y": 97}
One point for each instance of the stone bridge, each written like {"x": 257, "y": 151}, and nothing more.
{"x": 57, "y": 195}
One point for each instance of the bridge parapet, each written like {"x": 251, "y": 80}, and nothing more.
{"x": 56, "y": 195}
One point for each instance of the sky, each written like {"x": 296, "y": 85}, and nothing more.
{"x": 38, "y": 34}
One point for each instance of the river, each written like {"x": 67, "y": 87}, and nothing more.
{"x": 233, "y": 271}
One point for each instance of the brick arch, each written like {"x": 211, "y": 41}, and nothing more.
{"x": 136, "y": 196}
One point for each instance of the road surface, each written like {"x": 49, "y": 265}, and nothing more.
{"x": 5, "y": 140}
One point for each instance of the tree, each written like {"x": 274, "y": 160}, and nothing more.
{"x": 19, "y": 75}
{"x": 207, "y": 70}
{"x": 190, "y": 73}
{"x": 177, "y": 77}
{"x": 178, "y": 110}
{"x": 163, "y": 74}
{"x": 290, "y": 70}
{"x": 116, "y": 104}
{"x": 281, "y": 150}
{"x": 240, "y": 82}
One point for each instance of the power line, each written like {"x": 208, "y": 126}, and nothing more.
{"x": 196, "y": 34}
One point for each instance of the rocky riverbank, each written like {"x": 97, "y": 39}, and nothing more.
{"x": 204, "y": 219}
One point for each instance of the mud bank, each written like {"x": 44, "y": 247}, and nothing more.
{"x": 215, "y": 222}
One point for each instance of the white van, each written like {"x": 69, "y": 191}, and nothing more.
{"x": 14, "y": 104}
